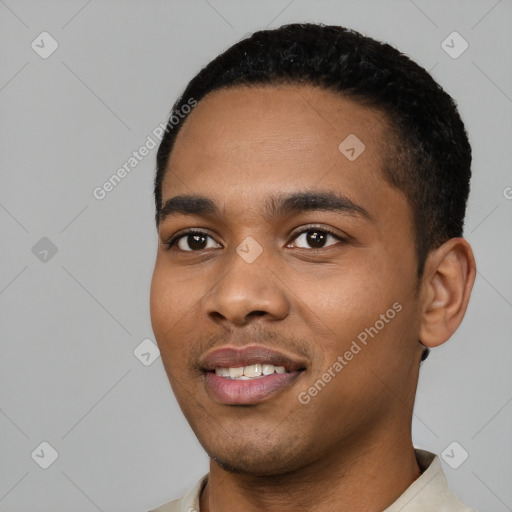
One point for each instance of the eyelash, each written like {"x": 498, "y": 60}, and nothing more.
{"x": 195, "y": 231}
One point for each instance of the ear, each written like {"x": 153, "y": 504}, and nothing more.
{"x": 446, "y": 287}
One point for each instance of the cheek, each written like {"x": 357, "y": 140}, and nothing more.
{"x": 171, "y": 301}
{"x": 175, "y": 307}
{"x": 345, "y": 304}
{"x": 346, "y": 297}
{"x": 159, "y": 301}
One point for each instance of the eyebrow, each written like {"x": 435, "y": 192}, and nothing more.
{"x": 277, "y": 206}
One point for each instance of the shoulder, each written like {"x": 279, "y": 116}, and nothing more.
{"x": 172, "y": 506}
{"x": 189, "y": 502}
{"x": 430, "y": 492}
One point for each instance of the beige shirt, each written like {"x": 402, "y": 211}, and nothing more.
{"x": 429, "y": 493}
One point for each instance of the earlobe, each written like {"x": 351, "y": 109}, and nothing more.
{"x": 446, "y": 287}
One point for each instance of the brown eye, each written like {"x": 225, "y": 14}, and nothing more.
{"x": 316, "y": 239}
{"x": 193, "y": 241}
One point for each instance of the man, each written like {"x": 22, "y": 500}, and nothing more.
{"x": 310, "y": 195}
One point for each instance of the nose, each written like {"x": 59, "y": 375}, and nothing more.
{"x": 247, "y": 291}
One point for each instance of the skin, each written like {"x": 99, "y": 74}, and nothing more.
{"x": 350, "y": 447}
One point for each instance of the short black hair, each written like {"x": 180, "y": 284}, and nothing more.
{"x": 429, "y": 157}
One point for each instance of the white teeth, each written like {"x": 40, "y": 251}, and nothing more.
{"x": 267, "y": 369}
{"x": 252, "y": 371}
{"x": 236, "y": 372}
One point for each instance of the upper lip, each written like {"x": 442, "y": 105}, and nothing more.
{"x": 233, "y": 357}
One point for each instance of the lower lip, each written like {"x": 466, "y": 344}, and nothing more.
{"x": 240, "y": 392}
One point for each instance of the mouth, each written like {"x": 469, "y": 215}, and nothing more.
{"x": 249, "y": 372}
{"x": 248, "y": 375}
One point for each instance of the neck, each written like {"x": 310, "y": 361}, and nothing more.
{"x": 365, "y": 476}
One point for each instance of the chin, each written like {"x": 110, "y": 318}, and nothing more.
{"x": 261, "y": 468}
{"x": 257, "y": 458}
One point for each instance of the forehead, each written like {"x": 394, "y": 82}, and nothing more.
{"x": 247, "y": 142}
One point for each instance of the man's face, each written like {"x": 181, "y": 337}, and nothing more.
{"x": 331, "y": 280}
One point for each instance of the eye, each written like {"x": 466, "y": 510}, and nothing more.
{"x": 311, "y": 238}
{"x": 316, "y": 238}
{"x": 191, "y": 241}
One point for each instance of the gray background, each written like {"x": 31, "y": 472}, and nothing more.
{"x": 70, "y": 323}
